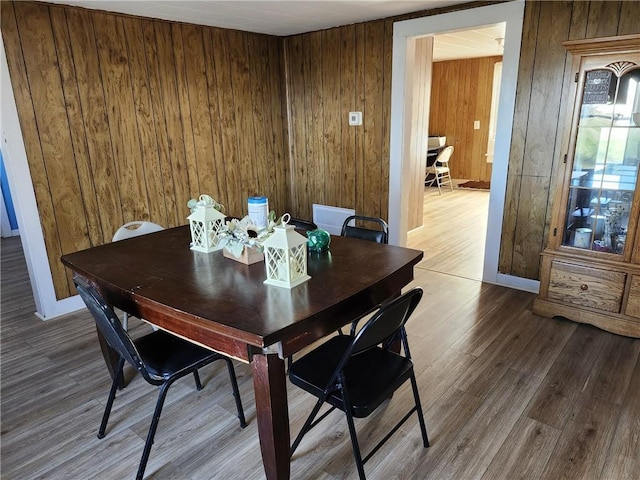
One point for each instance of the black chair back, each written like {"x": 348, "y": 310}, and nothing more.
{"x": 109, "y": 325}
{"x": 384, "y": 326}
{"x": 300, "y": 224}
{"x": 379, "y": 236}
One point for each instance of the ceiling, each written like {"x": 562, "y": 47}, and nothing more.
{"x": 480, "y": 42}
{"x": 283, "y": 17}
{"x": 290, "y": 17}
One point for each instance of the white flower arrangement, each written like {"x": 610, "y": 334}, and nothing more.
{"x": 238, "y": 234}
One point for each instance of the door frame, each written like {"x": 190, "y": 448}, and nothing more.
{"x": 404, "y": 34}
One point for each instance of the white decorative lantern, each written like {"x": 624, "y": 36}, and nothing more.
{"x": 206, "y": 223}
{"x": 285, "y": 256}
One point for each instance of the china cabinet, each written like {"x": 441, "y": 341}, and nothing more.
{"x": 590, "y": 270}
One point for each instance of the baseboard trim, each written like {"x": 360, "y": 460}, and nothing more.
{"x": 519, "y": 283}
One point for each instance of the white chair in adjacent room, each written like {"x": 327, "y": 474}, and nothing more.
{"x": 440, "y": 170}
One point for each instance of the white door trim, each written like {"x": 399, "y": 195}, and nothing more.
{"x": 512, "y": 13}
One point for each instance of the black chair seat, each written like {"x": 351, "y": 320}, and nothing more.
{"x": 165, "y": 354}
{"x": 373, "y": 375}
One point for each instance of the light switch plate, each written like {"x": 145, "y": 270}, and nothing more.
{"x": 476, "y": 125}
{"x": 355, "y": 118}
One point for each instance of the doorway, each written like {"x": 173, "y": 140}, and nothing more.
{"x": 405, "y": 34}
{"x": 464, "y": 84}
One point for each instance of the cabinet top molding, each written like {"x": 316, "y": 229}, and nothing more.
{"x": 621, "y": 43}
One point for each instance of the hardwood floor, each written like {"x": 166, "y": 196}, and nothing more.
{"x": 453, "y": 232}
{"x": 506, "y": 395}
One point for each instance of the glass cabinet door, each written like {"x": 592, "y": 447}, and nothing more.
{"x": 605, "y": 159}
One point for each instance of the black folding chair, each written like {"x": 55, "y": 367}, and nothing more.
{"x": 304, "y": 225}
{"x": 379, "y": 235}
{"x": 161, "y": 359}
{"x": 356, "y": 374}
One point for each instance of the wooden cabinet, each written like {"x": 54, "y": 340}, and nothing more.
{"x": 591, "y": 268}
{"x": 633, "y": 304}
{"x": 586, "y": 286}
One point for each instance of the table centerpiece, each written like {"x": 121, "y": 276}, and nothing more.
{"x": 242, "y": 240}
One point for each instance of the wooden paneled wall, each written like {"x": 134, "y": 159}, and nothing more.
{"x": 542, "y": 105}
{"x": 327, "y": 69}
{"x": 126, "y": 119}
{"x": 329, "y": 74}
{"x": 461, "y": 94}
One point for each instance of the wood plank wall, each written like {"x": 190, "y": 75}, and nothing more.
{"x": 540, "y": 113}
{"x": 538, "y": 122}
{"x": 329, "y": 74}
{"x": 126, "y": 118}
{"x": 460, "y": 94}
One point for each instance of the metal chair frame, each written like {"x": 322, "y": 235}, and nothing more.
{"x": 343, "y": 385}
{"x": 440, "y": 170}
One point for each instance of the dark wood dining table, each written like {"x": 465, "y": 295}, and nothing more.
{"x": 224, "y": 305}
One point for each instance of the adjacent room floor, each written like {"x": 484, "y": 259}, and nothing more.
{"x": 453, "y": 232}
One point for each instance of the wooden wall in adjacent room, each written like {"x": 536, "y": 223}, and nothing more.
{"x": 125, "y": 119}
{"x": 329, "y": 74}
{"x": 540, "y": 114}
{"x": 461, "y": 94}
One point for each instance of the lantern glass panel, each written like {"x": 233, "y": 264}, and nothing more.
{"x": 298, "y": 262}
{"x": 276, "y": 264}
{"x": 197, "y": 230}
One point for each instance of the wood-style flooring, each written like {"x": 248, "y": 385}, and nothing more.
{"x": 453, "y": 232}
{"x": 506, "y": 394}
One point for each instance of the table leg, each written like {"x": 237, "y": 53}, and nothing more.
{"x": 269, "y": 383}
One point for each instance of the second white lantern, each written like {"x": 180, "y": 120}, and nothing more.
{"x": 285, "y": 256}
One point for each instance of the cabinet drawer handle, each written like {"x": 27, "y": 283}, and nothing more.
{"x": 584, "y": 287}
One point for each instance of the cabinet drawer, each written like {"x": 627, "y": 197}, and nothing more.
{"x": 633, "y": 304}
{"x": 588, "y": 287}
